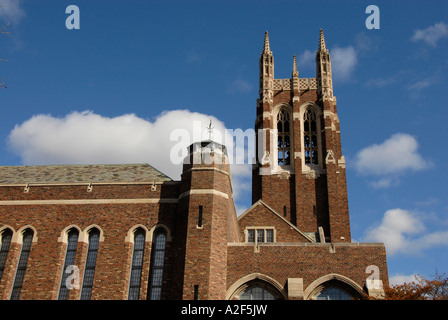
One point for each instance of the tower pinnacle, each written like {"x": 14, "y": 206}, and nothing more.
{"x": 266, "y": 48}
{"x": 322, "y": 45}
{"x": 295, "y": 73}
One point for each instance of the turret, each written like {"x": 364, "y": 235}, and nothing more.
{"x": 323, "y": 70}
{"x": 266, "y": 72}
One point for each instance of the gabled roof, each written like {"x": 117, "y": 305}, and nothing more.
{"x": 81, "y": 174}
{"x": 260, "y": 202}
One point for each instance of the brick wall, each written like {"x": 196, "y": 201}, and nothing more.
{"x": 111, "y": 281}
{"x": 307, "y": 261}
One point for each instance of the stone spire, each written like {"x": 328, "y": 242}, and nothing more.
{"x": 323, "y": 70}
{"x": 266, "y": 71}
{"x": 322, "y": 45}
{"x": 266, "y": 48}
{"x": 295, "y": 73}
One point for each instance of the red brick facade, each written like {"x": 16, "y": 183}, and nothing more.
{"x": 293, "y": 242}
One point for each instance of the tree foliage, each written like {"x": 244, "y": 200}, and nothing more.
{"x": 421, "y": 289}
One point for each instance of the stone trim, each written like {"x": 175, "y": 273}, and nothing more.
{"x": 87, "y": 201}
{"x": 204, "y": 191}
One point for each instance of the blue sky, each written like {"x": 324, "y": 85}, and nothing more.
{"x": 114, "y": 90}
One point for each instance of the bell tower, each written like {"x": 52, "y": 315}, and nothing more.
{"x": 300, "y": 171}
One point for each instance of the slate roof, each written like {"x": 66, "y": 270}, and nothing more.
{"x": 80, "y": 174}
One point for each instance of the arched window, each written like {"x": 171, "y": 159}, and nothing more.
{"x": 257, "y": 292}
{"x": 23, "y": 261}
{"x": 89, "y": 270}
{"x": 137, "y": 264}
{"x": 310, "y": 137}
{"x": 5, "y": 237}
{"x": 284, "y": 137}
{"x": 157, "y": 263}
{"x": 334, "y": 293}
{"x": 70, "y": 254}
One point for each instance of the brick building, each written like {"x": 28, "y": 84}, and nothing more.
{"x": 131, "y": 232}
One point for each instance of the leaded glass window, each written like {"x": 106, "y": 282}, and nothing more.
{"x": 269, "y": 235}
{"x": 89, "y": 270}
{"x": 310, "y": 137}
{"x": 6, "y": 237}
{"x": 72, "y": 244}
{"x": 157, "y": 263}
{"x": 23, "y": 261}
{"x": 137, "y": 265}
{"x": 256, "y": 292}
{"x": 284, "y": 137}
{"x": 334, "y": 293}
{"x": 256, "y": 235}
{"x": 260, "y": 236}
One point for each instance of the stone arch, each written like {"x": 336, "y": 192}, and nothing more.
{"x": 4, "y": 228}
{"x": 130, "y": 234}
{"x": 18, "y": 236}
{"x": 64, "y": 234}
{"x": 84, "y": 236}
{"x": 256, "y": 278}
{"x": 153, "y": 229}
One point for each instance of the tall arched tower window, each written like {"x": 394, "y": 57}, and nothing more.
{"x": 72, "y": 244}
{"x": 137, "y": 264}
{"x": 5, "y": 242}
{"x": 284, "y": 137}
{"x": 23, "y": 261}
{"x": 89, "y": 270}
{"x": 310, "y": 137}
{"x": 157, "y": 263}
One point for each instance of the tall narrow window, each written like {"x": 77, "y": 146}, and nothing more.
{"x": 70, "y": 254}
{"x": 196, "y": 292}
{"x": 310, "y": 137}
{"x": 200, "y": 217}
{"x": 283, "y": 139}
{"x": 269, "y": 235}
{"x": 137, "y": 264}
{"x": 5, "y": 238}
{"x": 23, "y": 261}
{"x": 260, "y": 236}
{"x": 89, "y": 270}
{"x": 251, "y": 235}
{"x": 157, "y": 263}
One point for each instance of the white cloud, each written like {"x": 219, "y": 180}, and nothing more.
{"x": 343, "y": 62}
{"x": 381, "y": 82}
{"x": 10, "y": 10}
{"x": 432, "y": 34}
{"x": 89, "y": 138}
{"x": 399, "y": 279}
{"x": 306, "y": 59}
{"x": 384, "y": 182}
{"x": 420, "y": 84}
{"x": 239, "y": 86}
{"x": 402, "y": 231}
{"x": 390, "y": 159}
{"x": 394, "y": 227}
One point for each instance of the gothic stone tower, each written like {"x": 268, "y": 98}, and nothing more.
{"x": 301, "y": 173}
